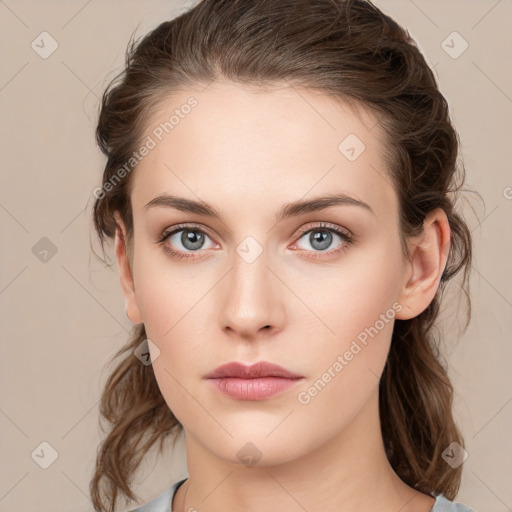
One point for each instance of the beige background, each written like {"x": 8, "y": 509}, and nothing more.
{"x": 62, "y": 319}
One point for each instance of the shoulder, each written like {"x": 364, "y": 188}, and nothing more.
{"x": 443, "y": 504}
{"x": 161, "y": 503}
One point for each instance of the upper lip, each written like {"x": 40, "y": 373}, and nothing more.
{"x": 260, "y": 369}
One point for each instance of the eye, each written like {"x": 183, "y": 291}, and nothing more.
{"x": 184, "y": 239}
{"x": 321, "y": 239}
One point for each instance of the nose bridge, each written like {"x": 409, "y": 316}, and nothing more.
{"x": 251, "y": 300}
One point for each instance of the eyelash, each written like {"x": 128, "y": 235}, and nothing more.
{"x": 347, "y": 238}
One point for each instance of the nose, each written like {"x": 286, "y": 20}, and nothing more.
{"x": 251, "y": 300}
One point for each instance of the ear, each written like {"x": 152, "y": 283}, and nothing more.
{"x": 428, "y": 256}
{"x": 126, "y": 275}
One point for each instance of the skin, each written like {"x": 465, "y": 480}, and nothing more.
{"x": 247, "y": 153}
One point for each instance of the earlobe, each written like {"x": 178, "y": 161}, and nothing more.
{"x": 428, "y": 256}
{"x": 125, "y": 272}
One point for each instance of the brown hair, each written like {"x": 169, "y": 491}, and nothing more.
{"x": 351, "y": 51}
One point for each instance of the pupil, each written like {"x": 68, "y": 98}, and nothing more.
{"x": 320, "y": 239}
{"x": 192, "y": 239}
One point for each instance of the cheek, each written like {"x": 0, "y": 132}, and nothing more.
{"x": 355, "y": 308}
{"x": 348, "y": 297}
{"x": 167, "y": 292}
{"x": 177, "y": 328}
{"x": 173, "y": 299}
{"x": 345, "y": 367}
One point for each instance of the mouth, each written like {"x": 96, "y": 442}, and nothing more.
{"x": 257, "y": 382}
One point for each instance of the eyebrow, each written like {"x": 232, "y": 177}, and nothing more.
{"x": 292, "y": 209}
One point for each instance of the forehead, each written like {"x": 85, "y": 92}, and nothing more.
{"x": 274, "y": 144}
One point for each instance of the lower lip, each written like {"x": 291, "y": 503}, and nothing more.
{"x": 253, "y": 389}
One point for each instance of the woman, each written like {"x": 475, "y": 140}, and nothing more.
{"x": 281, "y": 185}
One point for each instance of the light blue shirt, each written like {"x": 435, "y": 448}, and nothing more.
{"x": 163, "y": 503}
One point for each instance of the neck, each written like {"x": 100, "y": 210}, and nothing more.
{"x": 350, "y": 472}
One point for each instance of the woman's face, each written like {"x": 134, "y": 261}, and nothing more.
{"x": 265, "y": 281}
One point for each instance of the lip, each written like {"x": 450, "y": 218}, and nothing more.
{"x": 257, "y": 382}
{"x": 260, "y": 369}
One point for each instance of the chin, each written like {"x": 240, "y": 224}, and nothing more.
{"x": 252, "y": 448}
